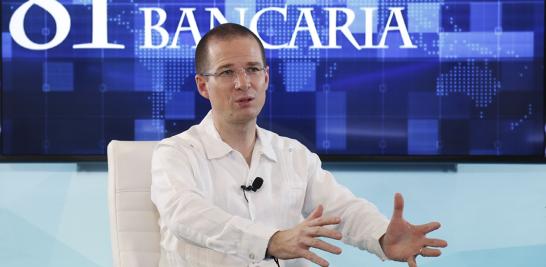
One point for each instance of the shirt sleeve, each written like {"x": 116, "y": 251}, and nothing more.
{"x": 362, "y": 225}
{"x": 186, "y": 212}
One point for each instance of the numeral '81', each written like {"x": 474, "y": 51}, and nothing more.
{"x": 61, "y": 16}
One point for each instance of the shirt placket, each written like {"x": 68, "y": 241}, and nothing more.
{"x": 250, "y": 178}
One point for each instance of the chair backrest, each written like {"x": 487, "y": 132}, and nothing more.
{"x": 134, "y": 225}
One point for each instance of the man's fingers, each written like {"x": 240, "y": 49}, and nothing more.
{"x": 411, "y": 262}
{"x": 324, "y": 221}
{"x": 439, "y": 243}
{"x": 310, "y": 256}
{"x": 430, "y": 252}
{"x": 320, "y": 244}
{"x": 316, "y": 213}
{"x": 429, "y": 227}
{"x": 398, "y": 206}
{"x": 318, "y": 231}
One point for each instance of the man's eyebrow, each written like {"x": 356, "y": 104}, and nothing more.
{"x": 225, "y": 66}
{"x": 229, "y": 65}
{"x": 255, "y": 63}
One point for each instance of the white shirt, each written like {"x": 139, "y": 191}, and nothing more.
{"x": 205, "y": 219}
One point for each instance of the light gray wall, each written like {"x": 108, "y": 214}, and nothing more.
{"x": 492, "y": 215}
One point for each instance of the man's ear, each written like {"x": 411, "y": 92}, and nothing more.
{"x": 202, "y": 86}
{"x": 266, "y": 77}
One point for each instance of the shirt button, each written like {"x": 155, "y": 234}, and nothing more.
{"x": 251, "y": 256}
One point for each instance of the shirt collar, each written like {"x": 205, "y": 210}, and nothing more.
{"x": 215, "y": 147}
{"x": 264, "y": 138}
{"x": 212, "y": 142}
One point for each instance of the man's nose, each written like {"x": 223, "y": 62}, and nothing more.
{"x": 241, "y": 79}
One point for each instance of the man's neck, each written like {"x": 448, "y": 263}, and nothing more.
{"x": 240, "y": 137}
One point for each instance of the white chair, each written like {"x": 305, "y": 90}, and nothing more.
{"x": 133, "y": 217}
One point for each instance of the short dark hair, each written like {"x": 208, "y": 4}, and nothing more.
{"x": 224, "y": 31}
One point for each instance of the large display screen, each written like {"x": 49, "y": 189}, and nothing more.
{"x": 350, "y": 79}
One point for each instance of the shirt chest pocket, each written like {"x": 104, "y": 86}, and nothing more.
{"x": 295, "y": 198}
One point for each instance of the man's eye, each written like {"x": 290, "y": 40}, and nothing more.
{"x": 252, "y": 69}
{"x": 226, "y": 73}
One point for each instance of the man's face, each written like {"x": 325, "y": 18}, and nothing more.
{"x": 238, "y": 94}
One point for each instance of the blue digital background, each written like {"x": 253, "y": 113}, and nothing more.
{"x": 474, "y": 85}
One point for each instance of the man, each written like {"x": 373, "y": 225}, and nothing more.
{"x": 208, "y": 219}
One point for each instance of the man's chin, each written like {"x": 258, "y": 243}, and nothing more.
{"x": 246, "y": 115}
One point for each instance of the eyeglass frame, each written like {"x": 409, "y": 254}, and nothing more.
{"x": 248, "y": 73}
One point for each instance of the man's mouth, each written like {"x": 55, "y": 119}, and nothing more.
{"x": 244, "y": 99}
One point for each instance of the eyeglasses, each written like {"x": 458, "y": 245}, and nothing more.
{"x": 229, "y": 75}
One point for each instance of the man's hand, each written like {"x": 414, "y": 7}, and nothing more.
{"x": 295, "y": 242}
{"x": 404, "y": 241}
